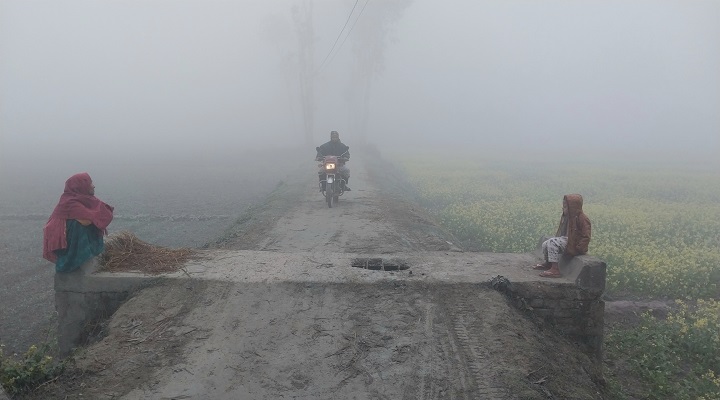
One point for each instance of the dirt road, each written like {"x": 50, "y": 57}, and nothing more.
{"x": 375, "y": 335}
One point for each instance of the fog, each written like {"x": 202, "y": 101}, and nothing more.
{"x": 187, "y": 78}
{"x": 187, "y": 108}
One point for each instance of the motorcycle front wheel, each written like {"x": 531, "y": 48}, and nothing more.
{"x": 329, "y": 191}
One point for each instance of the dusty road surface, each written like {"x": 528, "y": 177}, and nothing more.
{"x": 276, "y": 310}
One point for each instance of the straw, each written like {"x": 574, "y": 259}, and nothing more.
{"x": 125, "y": 252}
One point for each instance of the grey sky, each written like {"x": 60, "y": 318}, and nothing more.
{"x": 210, "y": 76}
{"x": 644, "y": 74}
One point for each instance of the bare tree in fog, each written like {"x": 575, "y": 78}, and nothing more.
{"x": 373, "y": 33}
{"x": 302, "y": 17}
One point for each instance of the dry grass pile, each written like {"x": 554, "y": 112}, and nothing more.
{"x": 125, "y": 252}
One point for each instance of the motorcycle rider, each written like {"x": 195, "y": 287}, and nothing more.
{"x": 335, "y": 148}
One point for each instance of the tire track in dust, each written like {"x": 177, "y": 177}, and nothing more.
{"x": 474, "y": 346}
{"x": 451, "y": 366}
{"x": 427, "y": 387}
{"x": 450, "y": 349}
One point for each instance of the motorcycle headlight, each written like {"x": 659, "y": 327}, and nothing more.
{"x": 329, "y": 166}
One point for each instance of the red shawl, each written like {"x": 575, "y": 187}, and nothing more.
{"x": 76, "y": 202}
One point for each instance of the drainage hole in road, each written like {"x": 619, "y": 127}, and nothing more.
{"x": 378, "y": 264}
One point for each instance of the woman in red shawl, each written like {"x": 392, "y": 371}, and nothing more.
{"x": 74, "y": 232}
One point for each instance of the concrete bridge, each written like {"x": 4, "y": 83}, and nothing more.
{"x": 312, "y": 312}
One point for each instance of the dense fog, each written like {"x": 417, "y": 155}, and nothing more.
{"x": 185, "y": 112}
{"x": 124, "y": 80}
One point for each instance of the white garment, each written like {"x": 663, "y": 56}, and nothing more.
{"x": 554, "y": 248}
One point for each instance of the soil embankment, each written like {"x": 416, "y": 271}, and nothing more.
{"x": 353, "y": 336}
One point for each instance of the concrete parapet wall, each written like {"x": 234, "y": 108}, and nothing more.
{"x": 573, "y": 305}
{"x": 82, "y": 300}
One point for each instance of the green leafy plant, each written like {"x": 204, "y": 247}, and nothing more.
{"x": 676, "y": 358}
{"x": 25, "y": 372}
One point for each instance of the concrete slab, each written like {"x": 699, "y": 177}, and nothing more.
{"x": 266, "y": 267}
{"x": 85, "y": 296}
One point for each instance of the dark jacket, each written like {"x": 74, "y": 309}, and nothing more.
{"x": 334, "y": 149}
{"x": 578, "y": 226}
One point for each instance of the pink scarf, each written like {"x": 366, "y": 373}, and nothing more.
{"x": 76, "y": 202}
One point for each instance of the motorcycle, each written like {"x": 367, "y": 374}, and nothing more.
{"x": 332, "y": 185}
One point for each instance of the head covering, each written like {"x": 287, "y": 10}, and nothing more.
{"x": 579, "y": 227}
{"x": 76, "y": 202}
{"x": 575, "y": 203}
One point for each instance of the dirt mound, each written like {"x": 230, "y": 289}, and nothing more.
{"x": 190, "y": 339}
{"x": 143, "y": 336}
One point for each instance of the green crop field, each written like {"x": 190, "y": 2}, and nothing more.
{"x": 656, "y": 227}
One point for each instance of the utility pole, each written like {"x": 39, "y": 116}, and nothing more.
{"x": 302, "y": 17}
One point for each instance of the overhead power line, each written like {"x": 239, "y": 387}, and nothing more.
{"x": 350, "y": 31}
{"x": 340, "y": 34}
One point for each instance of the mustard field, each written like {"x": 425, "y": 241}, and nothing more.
{"x": 657, "y": 228}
